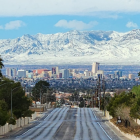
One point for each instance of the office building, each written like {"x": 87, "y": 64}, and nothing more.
{"x": 87, "y": 73}
{"x": 118, "y": 74}
{"x": 60, "y": 75}
{"x": 66, "y": 74}
{"x": 21, "y": 73}
{"x": 55, "y": 71}
{"x": 95, "y": 67}
{"x": 30, "y": 75}
{"x": 131, "y": 76}
{"x": 11, "y": 72}
{"x": 40, "y": 71}
{"x": 100, "y": 73}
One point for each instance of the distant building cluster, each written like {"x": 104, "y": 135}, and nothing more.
{"x": 57, "y": 73}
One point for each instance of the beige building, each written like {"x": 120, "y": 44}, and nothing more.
{"x": 95, "y": 67}
{"x": 87, "y": 73}
{"x": 131, "y": 76}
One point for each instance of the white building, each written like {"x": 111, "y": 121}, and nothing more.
{"x": 95, "y": 67}
{"x": 87, "y": 73}
{"x": 100, "y": 73}
{"x": 21, "y": 73}
{"x": 11, "y": 72}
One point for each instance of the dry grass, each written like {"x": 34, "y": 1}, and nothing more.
{"x": 134, "y": 129}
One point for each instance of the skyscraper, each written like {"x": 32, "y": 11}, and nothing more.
{"x": 55, "y": 70}
{"x": 120, "y": 73}
{"x": 11, "y": 72}
{"x": 66, "y": 73}
{"x": 95, "y": 67}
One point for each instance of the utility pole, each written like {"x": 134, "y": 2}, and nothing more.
{"x": 95, "y": 97}
{"x": 104, "y": 93}
{"x": 99, "y": 94}
{"x": 40, "y": 101}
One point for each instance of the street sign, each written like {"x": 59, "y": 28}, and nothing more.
{"x": 119, "y": 121}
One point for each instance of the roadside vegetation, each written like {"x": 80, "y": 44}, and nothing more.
{"x": 20, "y": 102}
{"x": 126, "y": 107}
{"x": 42, "y": 89}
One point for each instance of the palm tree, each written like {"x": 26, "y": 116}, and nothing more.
{"x": 1, "y": 66}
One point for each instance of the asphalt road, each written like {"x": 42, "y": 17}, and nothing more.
{"x": 68, "y": 124}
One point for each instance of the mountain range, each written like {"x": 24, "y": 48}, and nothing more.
{"x": 73, "y": 47}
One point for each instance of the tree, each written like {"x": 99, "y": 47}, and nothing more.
{"x": 136, "y": 91}
{"x": 1, "y": 66}
{"x": 20, "y": 104}
{"x": 123, "y": 98}
{"x": 40, "y": 87}
{"x": 139, "y": 74}
{"x": 62, "y": 101}
{"x": 135, "y": 109}
{"x": 4, "y": 116}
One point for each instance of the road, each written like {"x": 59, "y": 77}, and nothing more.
{"x": 68, "y": 124}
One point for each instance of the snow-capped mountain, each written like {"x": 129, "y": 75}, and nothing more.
{"x": 74, "y": 47}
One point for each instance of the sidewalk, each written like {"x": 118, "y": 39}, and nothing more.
{"x": 99, "y": 114}
{"x": 31, "y": 124}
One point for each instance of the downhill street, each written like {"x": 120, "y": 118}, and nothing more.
{"x": 69, "y": 124}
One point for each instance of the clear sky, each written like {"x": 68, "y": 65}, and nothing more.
{"x": 19, "y": 17}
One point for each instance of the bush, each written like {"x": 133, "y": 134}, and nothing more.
{"x": 12, "y": 121}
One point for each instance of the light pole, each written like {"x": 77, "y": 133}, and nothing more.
{"x": 47, "y": 93}
{"x": 11, "y": 100}
{"x": 104, "y": 86}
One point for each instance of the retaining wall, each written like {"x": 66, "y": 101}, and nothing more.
{"x": 19, "y": 123}
{"x": 129, "y": 136}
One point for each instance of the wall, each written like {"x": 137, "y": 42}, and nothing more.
{"x": 129, "y": 136}
{"x": 19, "y": 123}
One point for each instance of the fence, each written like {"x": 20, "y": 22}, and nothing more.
{"x": 40, "y": 108}
{"x": 19, "y": 123}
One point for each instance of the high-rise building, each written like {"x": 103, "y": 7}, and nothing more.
{"x": 100, "y": 73}
{"x": 21, "y": 73}
{"x": 8, "y": 72}
{"x": 60, "y": 75}
{"x": 11, "y": 72}
{"x": 131, "y": 76}
{"x": 118, "y": 74}
{"x": 55, "y": 70}
{"x": 95, "y": 67}
{"x": 66, "y": 73}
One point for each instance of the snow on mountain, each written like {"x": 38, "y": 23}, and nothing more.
{"x": 73, "y": 47}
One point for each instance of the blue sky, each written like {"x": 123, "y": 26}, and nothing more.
{"x": 53, "y": 16}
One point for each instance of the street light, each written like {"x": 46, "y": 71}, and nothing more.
{"x": 47, "y": 92}
{"x": 11, "y": 96}
{"x": 11, "y": 100}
